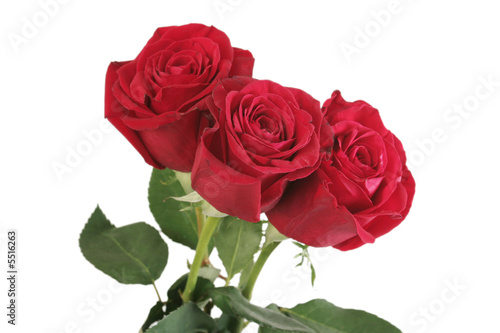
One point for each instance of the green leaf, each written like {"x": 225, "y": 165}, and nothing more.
{"x": 135, "y": 253}
{"x": 209, "y": 273}
{"x": 199, "y": 293}
{"x": 175, "y": 218}
{"x": 187, "y": 319}
{"x": 231, "y": 302}
{"x": 237, "y": 241}
{"x": 264, "y": 329}
{"x": 227, "y": 323}
{"x": 324, "y": 317}
{"x": 245, "y": 274}
{"x": 155, "y": 314}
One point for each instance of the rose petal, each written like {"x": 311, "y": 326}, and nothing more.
{"x": 337, "y": 109}
{"x": 308, "y": 213}
{"x": 347, "y": 192}
{"x": 243, "y": 63}
{"x": 115, "y": 112}
{"x": 182, "y": 137}
{"x": 228, "y": 190}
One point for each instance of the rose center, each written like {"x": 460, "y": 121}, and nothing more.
{"x": 268, "y": 125}
{"x": 363, "y": 156}
{"x": 181, "y": 66}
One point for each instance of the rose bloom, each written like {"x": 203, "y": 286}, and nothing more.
{"x": 265, "y": 136}
{"x": 361, "y": 192}
{"x": 156, "y": 100}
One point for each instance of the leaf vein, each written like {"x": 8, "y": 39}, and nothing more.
{"x": 141, "y": 264}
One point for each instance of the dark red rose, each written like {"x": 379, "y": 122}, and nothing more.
{"x": 265, "y": 136}
{"x": 362, "y": 192}
{"x": 155, "y": 100}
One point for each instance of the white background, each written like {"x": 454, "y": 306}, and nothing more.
{"x": 427, "y": 58}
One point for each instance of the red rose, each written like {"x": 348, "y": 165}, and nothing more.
{"x": 362, "y": 192}
{"x": 265, "y": 136}
{"x": 155, "y": 100}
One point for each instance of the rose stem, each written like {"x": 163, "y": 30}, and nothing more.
{"x": 254, "y": 274}
{"x": 200, "y": 219}
{"x": 201, "y": 249}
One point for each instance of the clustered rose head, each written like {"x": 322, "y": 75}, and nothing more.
{"x": 330, "y": 176}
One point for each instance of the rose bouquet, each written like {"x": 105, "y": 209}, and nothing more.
{"x": 226, "y": 149}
